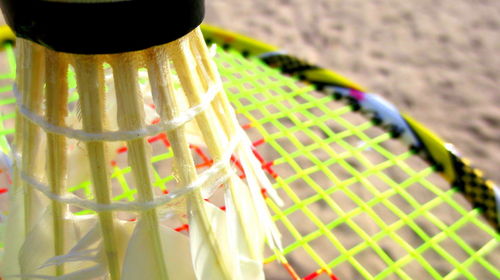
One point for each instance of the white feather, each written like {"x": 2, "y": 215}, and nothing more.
{"x": 93, "y": 272}
{"x": 213, "y": 257}
{"x": 86, "y": 245}
{"x": 38, "y": 247}
{"x": 14, "y": 225}
{"x": 14, "y": 233}
{"x": 86, "y": 259}
{"x": 256, "y": 180}
{"x": 244, "y": 230}
{"x": 138, "y": 263}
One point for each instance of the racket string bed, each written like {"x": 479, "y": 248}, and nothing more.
{"x": 387, "y": 197}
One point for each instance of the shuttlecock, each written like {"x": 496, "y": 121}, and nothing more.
{"x": 123, "y": 53}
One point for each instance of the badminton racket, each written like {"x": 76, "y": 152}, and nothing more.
{"x": 369, "y": 193}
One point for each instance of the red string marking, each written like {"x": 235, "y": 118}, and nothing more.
{"x": 206, "y": 161}
{"x": 238, "y": 165}
{"x": 162, "y": 137}
{"x": 267, "y": 166}
{"x": 165, "y": 191}
{"x": 3, "y": 190}
{"x": 246, "y": 126}
{"x": 258, "y": 142}
{"x": 332, "y": 276}
{"x": 318, "y": 273}
{"x": 313, "y": 275}
{"x": 291, "y": 271}
{"x": 155, "y": 121}
{"x": 263, "y": 192}
{"x": 121, "y": 150}
{"x": 204, "y": 164}
{"x": 183, "y": 227}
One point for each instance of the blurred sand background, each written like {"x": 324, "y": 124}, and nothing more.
{"x": 437, "y": 60}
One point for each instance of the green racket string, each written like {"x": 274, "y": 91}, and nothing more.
{"x": 280, "y": 100}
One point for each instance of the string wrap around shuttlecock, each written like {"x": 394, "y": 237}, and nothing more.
{"x": 87, "y": 111}
{"x": 150, "y": 130}
{"x": 207, "y": 181}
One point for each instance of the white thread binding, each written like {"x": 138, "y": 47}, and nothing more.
{"x": 151, "y": 130}
{"x": 169, "y": 199}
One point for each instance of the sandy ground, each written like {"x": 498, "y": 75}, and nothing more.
{"x": 435, "y": 59}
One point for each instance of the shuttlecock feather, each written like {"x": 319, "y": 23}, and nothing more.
{"x": 138, "y": 262}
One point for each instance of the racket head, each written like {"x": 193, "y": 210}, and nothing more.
{"x": 359, "y": 201}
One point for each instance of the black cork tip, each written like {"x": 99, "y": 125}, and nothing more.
{"x": 102, "y": 27}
